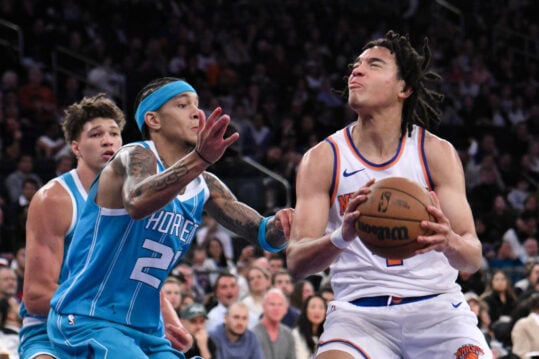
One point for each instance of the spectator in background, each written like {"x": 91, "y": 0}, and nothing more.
{"x": 302, "y": 290}
{"x": 309, "y": 326}
{"x": 257, "y": 138}
{"x": 8, "y": 282}
{"x": 172, "y": 290}
{"x": 499, "y": 296}
{"x": 507, "y": 261}
{"x": 15, "y": 180}
{"x": 259, "y": 283}
{"x": 524, "y": 287}
{"x": 51, "y": 144}
{"x": 9, "y": 338}
{"x": 19, "y": 209}
{"x": 233, "y": 338}
{"x": 525, "y": 226}
{"x": 283, "y": 280}
{"x": 19, "y": 264}
{"x": 193, "y": 318}
{"x": 276, "y": 338}
{"x": 531, "y": 246}
{"x": 185, "y": 271}
{"x": 480, "y": 308}
{"x": 37, "y": 98}
{"x": 212, "y": 229}
{"x": 524, "y": 334}
{"x": 226, "y": 292}
{"x": 276, "y": 262}
{"x": 216, "y": 260}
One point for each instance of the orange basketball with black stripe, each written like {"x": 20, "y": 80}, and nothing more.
{"x": 389, "y": 221}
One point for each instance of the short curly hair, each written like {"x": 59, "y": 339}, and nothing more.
{"x": 86, "y": 110}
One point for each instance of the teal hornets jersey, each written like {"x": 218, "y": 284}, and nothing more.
{"x": 72, "y": 184}
{"x": 118, "y": 264}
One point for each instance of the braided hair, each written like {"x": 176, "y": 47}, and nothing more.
{"x": 421, "y": 107}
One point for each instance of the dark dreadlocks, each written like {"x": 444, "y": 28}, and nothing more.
{"x": 422, "y": 106}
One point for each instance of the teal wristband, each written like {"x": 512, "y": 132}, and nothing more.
{"x": 262, "y": 237}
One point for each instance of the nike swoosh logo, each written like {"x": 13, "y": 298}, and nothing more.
{"x": 456, "y": 305}
{"x": 348, "y": 174}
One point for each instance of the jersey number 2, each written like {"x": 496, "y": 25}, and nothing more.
{"x": 161, "y": 262}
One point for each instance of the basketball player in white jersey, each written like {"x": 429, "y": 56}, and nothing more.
{"x": 383, "y": 308}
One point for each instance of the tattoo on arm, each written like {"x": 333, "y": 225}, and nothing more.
{"x": 228, "y": 211}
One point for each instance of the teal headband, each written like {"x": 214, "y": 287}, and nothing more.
{"x": 158, "y": 98}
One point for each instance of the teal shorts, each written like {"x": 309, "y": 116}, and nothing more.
{"x": 75, "y": 336}
{"x": 35, "y": 341}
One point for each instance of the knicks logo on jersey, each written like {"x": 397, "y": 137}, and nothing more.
{"x": 469, "y": 351}
{"x": 343, "y": 202}
{"x": 173, "y": 224}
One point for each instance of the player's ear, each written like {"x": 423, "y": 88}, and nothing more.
{"x": 75, "y": 148}
{"x": 405, "y": 92}
{"x": 152, "y": 120}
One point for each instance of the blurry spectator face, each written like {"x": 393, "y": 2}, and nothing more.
{"x": 8, "y": 282}
{"x": 327, "y": 295}
{"x": 284, "y": 282}
{"x": 227, "y": 290}
{"x": 187, "y": 274}
{"x": 259, "y": 281}
{"x": 29, "y": 189}
{"x": 499, "y": 282}
{"x": 534, "y": 274}
{"x": 275, "y": 265}
{"x": 308, "y": 290}
{"x": 316, "y": 310}
{"x": 172, "y": 292}
{"x": 195, "y": 325}
{"x": 236, "y": 320}
{"x": 275, "y": 306}
{"x": 531, "y": 247}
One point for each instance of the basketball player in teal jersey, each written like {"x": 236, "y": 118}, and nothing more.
{"x": 93, "y": 129}
{"x": 141, "y": 216}
{"x": 391, "y": 309}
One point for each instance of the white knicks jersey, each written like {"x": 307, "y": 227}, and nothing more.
{"x": 356, "y": 272}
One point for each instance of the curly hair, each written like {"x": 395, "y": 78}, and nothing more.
{"x": 86, "y": 110}
{"x": 421, "y": 107}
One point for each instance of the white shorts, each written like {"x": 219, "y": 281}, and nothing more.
{"x": 441, "y": 327}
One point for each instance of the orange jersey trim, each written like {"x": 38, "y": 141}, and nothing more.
{"x": 346, "y": 342}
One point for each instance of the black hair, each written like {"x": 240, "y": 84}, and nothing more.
{"x": 421, "y": 107}
{"x": 146, "y": 91}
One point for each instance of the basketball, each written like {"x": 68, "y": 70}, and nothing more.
{"x": 389, "y": 221}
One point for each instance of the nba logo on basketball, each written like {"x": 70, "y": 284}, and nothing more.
{"x": 384, "y": 201}
{"x": 469, "y": 351}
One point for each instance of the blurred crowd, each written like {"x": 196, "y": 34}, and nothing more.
{"x": 279, "y": 68}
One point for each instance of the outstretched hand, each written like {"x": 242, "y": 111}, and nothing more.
{"x": 211, "y": 141}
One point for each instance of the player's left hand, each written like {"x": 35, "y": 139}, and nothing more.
{"x": 441, "y": 230}
{"x": 179, "y": 337}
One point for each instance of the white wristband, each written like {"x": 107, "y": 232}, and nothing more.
{"x": 337, "y": 239}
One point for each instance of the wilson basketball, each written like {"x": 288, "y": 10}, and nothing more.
{"x": 389, "y": 221}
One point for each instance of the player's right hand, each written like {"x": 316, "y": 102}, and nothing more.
{"x": 211, "y": 141}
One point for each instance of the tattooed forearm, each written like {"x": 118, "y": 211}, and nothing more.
{"x": 229, "y": 212}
